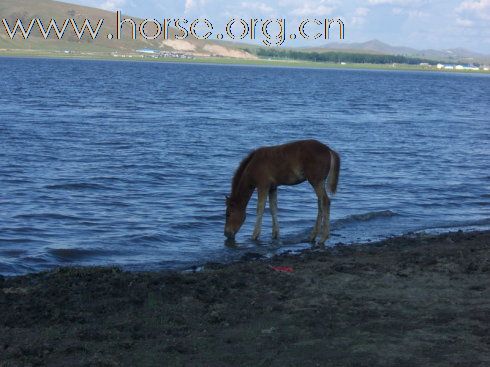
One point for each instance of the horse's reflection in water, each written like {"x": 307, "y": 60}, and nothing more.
{"x": 266, "y": 168}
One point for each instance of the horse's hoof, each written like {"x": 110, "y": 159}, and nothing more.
{"x": 320, "y": 244}
{"x": 230, "y": 242}
{"x": 275, "y": 235}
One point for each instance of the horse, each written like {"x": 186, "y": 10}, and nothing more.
{"x": 292, "y": 163}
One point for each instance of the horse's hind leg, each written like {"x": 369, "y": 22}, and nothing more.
{"x": 323, "y": 217}
{"x": 318, "y": 222}
{"x": 273, "y": 207}
{"x": 326, "y": 219}
{"x": 262, "y": 198}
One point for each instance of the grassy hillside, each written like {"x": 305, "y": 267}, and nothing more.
{"x": 47, "y": 9}
{"x": 102, "y": 47}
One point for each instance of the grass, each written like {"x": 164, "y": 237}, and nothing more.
{"x": 94, "y": 55}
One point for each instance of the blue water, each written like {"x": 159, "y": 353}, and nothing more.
{"x": 128, "y": 163}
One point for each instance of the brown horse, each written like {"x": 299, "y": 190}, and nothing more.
{"x": 289, "y": 164}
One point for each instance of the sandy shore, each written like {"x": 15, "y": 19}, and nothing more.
{"x": 407, "y": 301}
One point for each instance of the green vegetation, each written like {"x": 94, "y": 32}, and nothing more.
{"x": 103, "y": 48}
{"x": 338, "y": 57}
{"x": 227, "y": 61}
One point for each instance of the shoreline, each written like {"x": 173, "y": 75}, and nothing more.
{"x": 408, "y": 300}
{"x": 275, "y": 63}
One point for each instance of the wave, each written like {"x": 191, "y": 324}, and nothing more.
{"x": 47, "y": 216}
{"x": 302, "y": 237}
{"x": 15, "y": 240}
{"x": 71, "y": 254}
{"x": 13, "y": 253}
{"x": 18, "y": 230}
{"x": 189, "y": 225}
{"x": 150, "y": 238}
{"x": 77, "y": 186}
{"x": 460, "y": 224}
{"x": 364, "y": 217}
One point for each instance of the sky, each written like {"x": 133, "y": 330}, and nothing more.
{"x": 420, "y": 24}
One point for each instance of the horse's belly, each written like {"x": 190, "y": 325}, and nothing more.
{"x": 288, "y": 176}
{"x": 296, "y": 182}
{"x": 296, "y": 178}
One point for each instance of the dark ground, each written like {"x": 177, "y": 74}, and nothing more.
{"x": 407, "y": 301}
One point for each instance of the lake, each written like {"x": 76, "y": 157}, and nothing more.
{"x": 128, "y": 163}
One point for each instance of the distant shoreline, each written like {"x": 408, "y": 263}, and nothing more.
{"x": 234, "y": 61}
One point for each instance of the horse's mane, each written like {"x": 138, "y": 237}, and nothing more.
{"x": 239, "y": 172}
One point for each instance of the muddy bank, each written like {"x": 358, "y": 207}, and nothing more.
{"x": 401, "y": 302}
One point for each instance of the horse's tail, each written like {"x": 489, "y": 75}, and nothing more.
{"x": 333, "y": 174}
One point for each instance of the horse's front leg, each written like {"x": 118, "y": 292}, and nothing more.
{"x": 262, "y": 198}
{"x": 273, "y": 207}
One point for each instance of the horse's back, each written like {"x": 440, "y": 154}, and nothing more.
{"x": 292, "y": 163}
{"x": 309, "y": 144}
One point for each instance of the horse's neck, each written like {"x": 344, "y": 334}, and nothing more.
{"x": 244, "y": 191}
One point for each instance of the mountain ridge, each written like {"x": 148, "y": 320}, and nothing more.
{"x": 458, "y": 54}
{"x": 60, "y": 11}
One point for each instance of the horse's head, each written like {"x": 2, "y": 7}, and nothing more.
{"x": 235, "y": 216}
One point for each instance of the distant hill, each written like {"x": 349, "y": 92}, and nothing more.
{"x": 376, "y": 46}
{"x": 47, "y": 9}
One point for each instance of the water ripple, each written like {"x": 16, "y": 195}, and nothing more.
{"x": 139, "y": 178}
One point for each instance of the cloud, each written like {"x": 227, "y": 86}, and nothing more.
{"x": 464, "y": 22}
{"x": 362, "y": 12}
{"x": 404, "y": 3}
{"x": 256, "y": 6}
{"x": 359, "y": 17}
{"x": 412, "y": 13}
{"x": 479, "y": 9}
{"x": 382, "y": 2}
{"x": 191, "y": 5}
{"x": 113, "y": 4}
{"x": 314, "y": 9}
{"x": 417, "y": 14}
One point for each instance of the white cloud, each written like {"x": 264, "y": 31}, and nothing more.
{"x": 404, "y": 3}
{"x": 475, "y": 5}
{"x": 359, "y": 17}
{"x": 417, "y": 14}
{"x": 312, "y": 9}
{"x": 464, "y": 22}
{"x": 381, "y": 2}
{"x": 191, "y": 5}
{"x": 362, "y": 12}
{"x": 412, "y": 13}
{"x": 113, "y": 4}
{"x": 478, "y": 8}
{"x": 256, "y": 6}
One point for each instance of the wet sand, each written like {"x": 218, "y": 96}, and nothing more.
{"x": 407, "y": 301}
